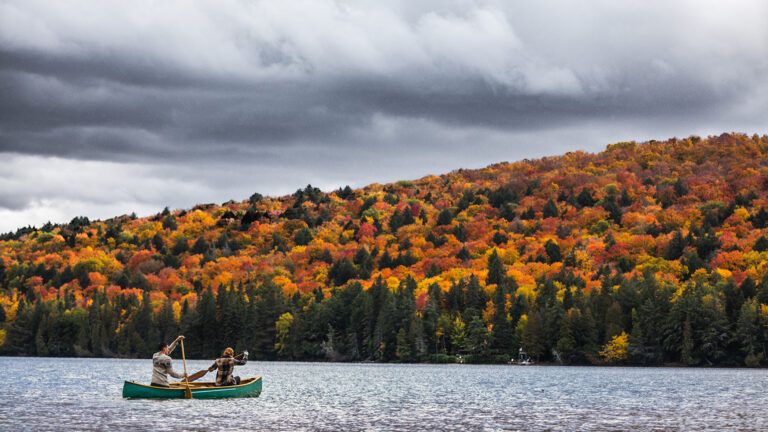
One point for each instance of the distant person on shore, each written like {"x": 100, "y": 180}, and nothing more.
{"x": 161, "y": 364}
{"x": 225, "y": 365}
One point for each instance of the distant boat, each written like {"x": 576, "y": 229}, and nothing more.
{"x": 523, "y": 359}
{"x": 248, "y": 387}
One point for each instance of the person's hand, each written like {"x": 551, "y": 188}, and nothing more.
{"x": 180, "y": 337}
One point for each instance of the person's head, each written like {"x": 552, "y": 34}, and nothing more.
{"x": 228, "y": 352}
{"x": 162, "y": 347}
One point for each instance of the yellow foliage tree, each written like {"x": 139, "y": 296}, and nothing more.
{"x": 283, "y": 327}
{"x": 176, "y": 311}
{"x": 616, "y": 350}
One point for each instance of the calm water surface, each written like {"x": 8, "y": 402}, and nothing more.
{"x": 85, "y": 394}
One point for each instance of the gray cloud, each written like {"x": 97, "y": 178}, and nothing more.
{"x": 236, "y": 96}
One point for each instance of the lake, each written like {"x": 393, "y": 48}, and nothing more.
{"x": 85, "y": 394}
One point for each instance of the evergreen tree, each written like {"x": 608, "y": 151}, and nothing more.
{"x": 503, "y": 336}
{"x": 680, "y": 189}
{"x": 734, "y": 298}
{"x": 460, "y": 232}
{"x": 396, "y": 221}
{"x": 751, "y": 333}
{"x": 553, "y": 251}
{"x": 385, "y": 333}
{"x": 760, "y": 219}
{"x": 585, "y": 198}
{"x": 146, "y": 329}
{"x": 342, "y": 271}
{"x": 166, "y": 324}
{"x": 550, "y": 209}
{"x": 499, "y": 238}
{"x": 567, "y": 299}
{"x": 552, "y": 316}
{"x": 386, "y": 261}
{"x": 477, "y": 336}
{"x": 20, "y": 337}
{"x": 675, "y": 247}
{"x": 613, "y": 321}
{"x": 533, "y": 336}
{"x": 566, "y": 343}
{"x": 429, "y": 321}
{"x": 201, "y": 246}
{"x": 463, "y": 254}
{"x": 270, "y": 304}
{"x": 417, "y": 338}
{"x": 206, "y": 326}
{"x": 610, "y": 205}
{"x": 637, "y": 348}
{"x": 364, "y": 262}
{"x": 686, "y": 355}
{"x": 475, "y": 297}
{"x": 404, "y": 349}
{"x": 748, "y": 288}
{"x": 584, "y": 331}
{"x": 445, "y": 217}
{"x": 496, "y": 271}
{"x": 303, "y": 236}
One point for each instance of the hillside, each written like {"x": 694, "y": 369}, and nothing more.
{"x": 644, "y": 254}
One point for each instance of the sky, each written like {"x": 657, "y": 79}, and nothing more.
{"x": 108, "y": 108}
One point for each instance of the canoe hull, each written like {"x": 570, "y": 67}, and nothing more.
{"x": 249, "y": 387}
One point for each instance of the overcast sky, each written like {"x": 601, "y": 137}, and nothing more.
{"x": 112, "y": 107}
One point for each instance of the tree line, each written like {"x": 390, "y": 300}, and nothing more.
{"x": 705, "y": 321}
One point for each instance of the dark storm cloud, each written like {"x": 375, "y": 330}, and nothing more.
{"x": 153, "y": 90}
{"x": 234, "y": 96}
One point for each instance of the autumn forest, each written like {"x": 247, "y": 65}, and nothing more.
{"x": 645, "y": 254}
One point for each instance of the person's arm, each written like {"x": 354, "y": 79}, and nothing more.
{"x": 213, "y": 367}
{"x": 172, "y": 372}
{"x": 242, "y": 358}
{"x": 173, "y": 344}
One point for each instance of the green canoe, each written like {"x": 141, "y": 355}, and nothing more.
{"x": 248, "y": 387}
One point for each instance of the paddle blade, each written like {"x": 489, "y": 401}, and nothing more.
{"x": 187, "y": 393}
{"x": 197, "y": 375}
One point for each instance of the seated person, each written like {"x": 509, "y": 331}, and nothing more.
{"x": 225, "y": 365}
{"x": 161, "y": 364}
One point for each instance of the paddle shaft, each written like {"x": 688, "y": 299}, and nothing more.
{"x": 188, "y": 392}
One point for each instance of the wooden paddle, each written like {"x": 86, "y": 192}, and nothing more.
{"x": 187, "y": 391}
{"x": 197, "y": 375}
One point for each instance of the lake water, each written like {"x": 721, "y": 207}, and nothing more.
{"x": 85, "y": 394}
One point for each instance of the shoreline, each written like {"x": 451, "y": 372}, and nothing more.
{"x": 542, "y": 364}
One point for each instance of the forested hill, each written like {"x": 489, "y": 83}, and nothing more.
{"x": 646, "y": 253}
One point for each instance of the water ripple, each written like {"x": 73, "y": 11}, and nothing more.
{"x": 85, "y": 394}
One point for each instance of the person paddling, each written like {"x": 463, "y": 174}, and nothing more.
{"x": 161, "y": 364}
{"x": 225, "y": 365}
